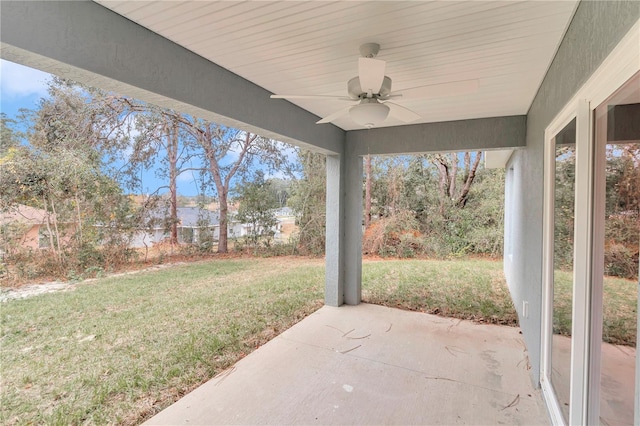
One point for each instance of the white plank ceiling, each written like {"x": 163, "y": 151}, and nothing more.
{"x": 311, "y": 47}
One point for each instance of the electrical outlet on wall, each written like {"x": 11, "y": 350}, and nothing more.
{"x": 525, "y": 309}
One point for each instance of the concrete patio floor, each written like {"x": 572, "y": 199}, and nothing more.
{"x": 370, "y": 365}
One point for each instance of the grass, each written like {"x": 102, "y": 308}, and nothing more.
{"x": 119, "y": 349}
{"x": 472, "y": 289}
{"x": 619, "y": 311}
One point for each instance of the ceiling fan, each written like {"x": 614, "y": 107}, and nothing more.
{"x": 371, "y": 89}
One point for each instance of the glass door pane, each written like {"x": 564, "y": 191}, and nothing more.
{"x": 563, "y": 249}
{"x": 617, "y": 133}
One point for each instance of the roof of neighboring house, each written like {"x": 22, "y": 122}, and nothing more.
{"x": 187, "y": 216}
{"x": 284, "y": 212}
{"x": 25, "y": 214}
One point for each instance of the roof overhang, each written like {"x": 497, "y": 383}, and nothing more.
{"x": 222, "y": 60}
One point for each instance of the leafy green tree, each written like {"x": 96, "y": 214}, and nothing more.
{"x": 180, "y": 143}
{"x": 564, "y": 202}
{"x": 622, "y": 210}
{"x": 280, "y": 190}
{"x": 60, "y": 171}
{"x": 440, "y": 205}
{"x": 227, "y": 154}
{"x": 162, "y": 144}
{"x": 9, "y": 137}
{"x": 308, "y": 201}
{"x": 257, "y": 204}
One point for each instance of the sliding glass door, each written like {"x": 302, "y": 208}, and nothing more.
{"x": 566, "y": 258}
{"x": 615, "y": 256}
{"x": 561, "y": 275}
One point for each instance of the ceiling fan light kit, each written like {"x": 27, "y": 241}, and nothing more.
{"x": 369, "y": 113}
{"x": 372, "y": 89}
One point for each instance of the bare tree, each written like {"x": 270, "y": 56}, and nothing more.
{"x": 447, "y": 165}
{"x": 160, "y": 138}
{"x": 227, "y": 153}
{"x": 185, "y": 143}
{"x": 469, "y": 176}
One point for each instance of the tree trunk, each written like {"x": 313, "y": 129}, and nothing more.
{"x": 50, "y": 231}
{"x": 172, "y": 153}
{"x": 453, "y": 175}
{"x": 79, "y": 239}
{"x": 57, "y": 232}
{"x": 443, "y": 181}
{"x": 224, "y": 231}
{"x": 221, "y": 189}
{"x": 464, "y": 195}
{"x": 367, "y": 192}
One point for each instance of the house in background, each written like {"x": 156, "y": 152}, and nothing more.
{"x": 192, "y": 222}
{"x": 25, "y": 227}
{"x": 546, "y": 76}
{"x": 286, "y": 226}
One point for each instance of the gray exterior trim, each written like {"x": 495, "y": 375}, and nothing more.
{"x": 462, "y": 135}
{"x": 91, "y": 44}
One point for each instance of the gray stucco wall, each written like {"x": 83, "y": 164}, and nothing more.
{"x": 595, "y": 30}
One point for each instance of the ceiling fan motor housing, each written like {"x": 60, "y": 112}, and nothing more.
{"x": 355, "y": 91}
{"x": 369, "y": 50}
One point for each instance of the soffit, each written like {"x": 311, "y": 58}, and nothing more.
{"x": 311, "y": 47}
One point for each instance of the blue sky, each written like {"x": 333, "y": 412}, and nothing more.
{"x": 23, "y": 87}
{"x": 20, "y": 87}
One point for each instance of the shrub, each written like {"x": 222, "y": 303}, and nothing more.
{"x": 397, "y": 235}
{"x": 620, "y": 261}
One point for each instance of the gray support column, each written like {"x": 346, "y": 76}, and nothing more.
{"x": 353, "y": 229}
{"x": 334, "y": 274}
{"x": 344, "y": 230}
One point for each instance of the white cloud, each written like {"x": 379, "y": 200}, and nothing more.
{"x": 186, "y": 177}
{"x": 18, "y": 81}
{"x": 278, "y": 174}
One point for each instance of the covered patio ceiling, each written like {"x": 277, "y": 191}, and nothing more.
{"x": 309, "y": 47}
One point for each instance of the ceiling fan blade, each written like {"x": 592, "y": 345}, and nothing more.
{"x": 335, "y": 115}
{"x": 452, "y": 88}
{"x": 371, "y": 74}
{"x": 324, "y": 97}
{"x": 402, "y": 113}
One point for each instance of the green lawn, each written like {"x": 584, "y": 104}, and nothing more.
{"x": 470, "y": 289}
{"x": 620, "y": 307}
{"x": 119, "y": 349}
